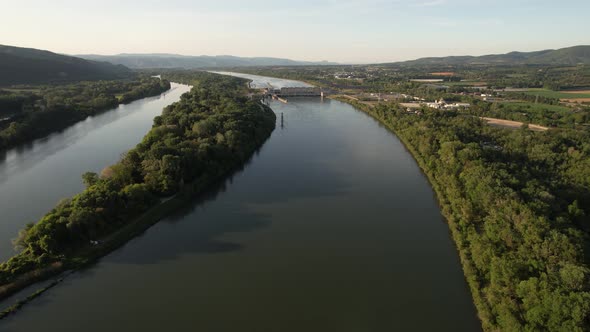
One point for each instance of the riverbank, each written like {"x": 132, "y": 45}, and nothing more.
{"x": 123, "y": 197}
{"x": 319, "y": 213}
{"x": 500, "y": 233}
{"x": 90, "y": 254}
{"x": 56, "y": 162}
{"x": 446, "y": 210}
{"x": 52, "y": 109}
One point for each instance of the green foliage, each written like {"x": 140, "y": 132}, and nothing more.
{"x": 89, "y": 179}
{"x": 533, "y": 105}
{"x": 20, "y": 65}
{"x": 542, "y": 114}
{"x": 515, "y": 202}
{"x": 33, "y": 114}
{"x": 169, "y": 156}
{"x": 546, "y": 93}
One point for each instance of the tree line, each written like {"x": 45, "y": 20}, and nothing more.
{"x": 212, "y": 129}
{"x": 31, "y": 112}
{"x": 517, "y": 204}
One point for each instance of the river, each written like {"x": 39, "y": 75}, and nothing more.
{"x": 331, "y": 226}
{"x": 36, "y": 176}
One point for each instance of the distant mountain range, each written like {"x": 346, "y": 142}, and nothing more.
{"x": 145, "y": 61}
{"x": 564, "y": 56}
{"x": 32, "y": 66}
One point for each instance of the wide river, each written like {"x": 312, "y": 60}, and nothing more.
{"x": 331, "y": 226}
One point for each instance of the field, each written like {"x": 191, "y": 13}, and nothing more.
{"x": 427, "y": 80}
{"x": 526, "y": 106}
{"x": 578, "y": 94}
{"x": 467, "y": 83}
{"x": 577, "y": 100}
{"x": 540, "y": 114}
{"x": 585, "y": 92}
{"x": 512, "y": 124}
{"x": 446, "y": 73}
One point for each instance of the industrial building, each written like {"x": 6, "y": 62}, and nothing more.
{"x": 299, "y": 91}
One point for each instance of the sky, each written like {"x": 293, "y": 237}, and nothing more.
{"x": 346, "y": 31}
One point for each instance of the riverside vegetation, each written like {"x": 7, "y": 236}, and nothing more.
{"x": 212, "y": 129}
{"x": 514, "y": 201}
{"x": 538, "y": 94}
{"x": 30, "y": 112}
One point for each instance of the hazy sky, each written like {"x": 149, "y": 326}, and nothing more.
{"x": 335, "y": 30}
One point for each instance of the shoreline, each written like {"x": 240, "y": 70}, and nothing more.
{"x": 73, "y": 121}
{"x": 445, "y": 210}
{"x": 466, "y": 263}
{"x": 89, "y": 254}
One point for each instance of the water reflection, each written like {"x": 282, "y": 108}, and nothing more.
{"x": 35, "y": 176}
{"x": 330, "y": 227}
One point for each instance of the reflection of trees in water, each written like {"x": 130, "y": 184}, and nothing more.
{"x": 195, "y": 234}
{"x": 210, "y": 193}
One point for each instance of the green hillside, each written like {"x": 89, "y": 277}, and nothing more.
{"x": 566, "y": 56}
{"x": 31, "y": 66}
{"x": 143, "y": 61}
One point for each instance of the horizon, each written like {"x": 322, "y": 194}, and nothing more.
{"x": 340, "y": 63}
{"x": 350, "y": 32}
{"x": 316, "y": 61}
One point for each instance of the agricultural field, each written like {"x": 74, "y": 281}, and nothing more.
{"x": 512, "y": 124}
{"x": 467, "y": 83}
{"x": 444, "y": 73}
{"x": 540, "y": 114}
{"x": 528, "y": 106}
{"x": 572, "y": 94}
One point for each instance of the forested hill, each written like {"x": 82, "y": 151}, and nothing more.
{"x": 144, "y": 61}
{"x": 32, "y": 66}
{"x": 564, "y": 56}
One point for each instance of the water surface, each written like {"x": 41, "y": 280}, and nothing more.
{"x": 264, "y": 81}
{"x": 36, "y": 176}
{"x": 330, "y": 227}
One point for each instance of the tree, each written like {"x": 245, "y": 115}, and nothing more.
{"x": 90, "y": 179}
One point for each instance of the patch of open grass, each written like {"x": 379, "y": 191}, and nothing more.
{"x": 556, "y": 94}
{"x": 524, "y": 105}
{"x": 466, "y": 83}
